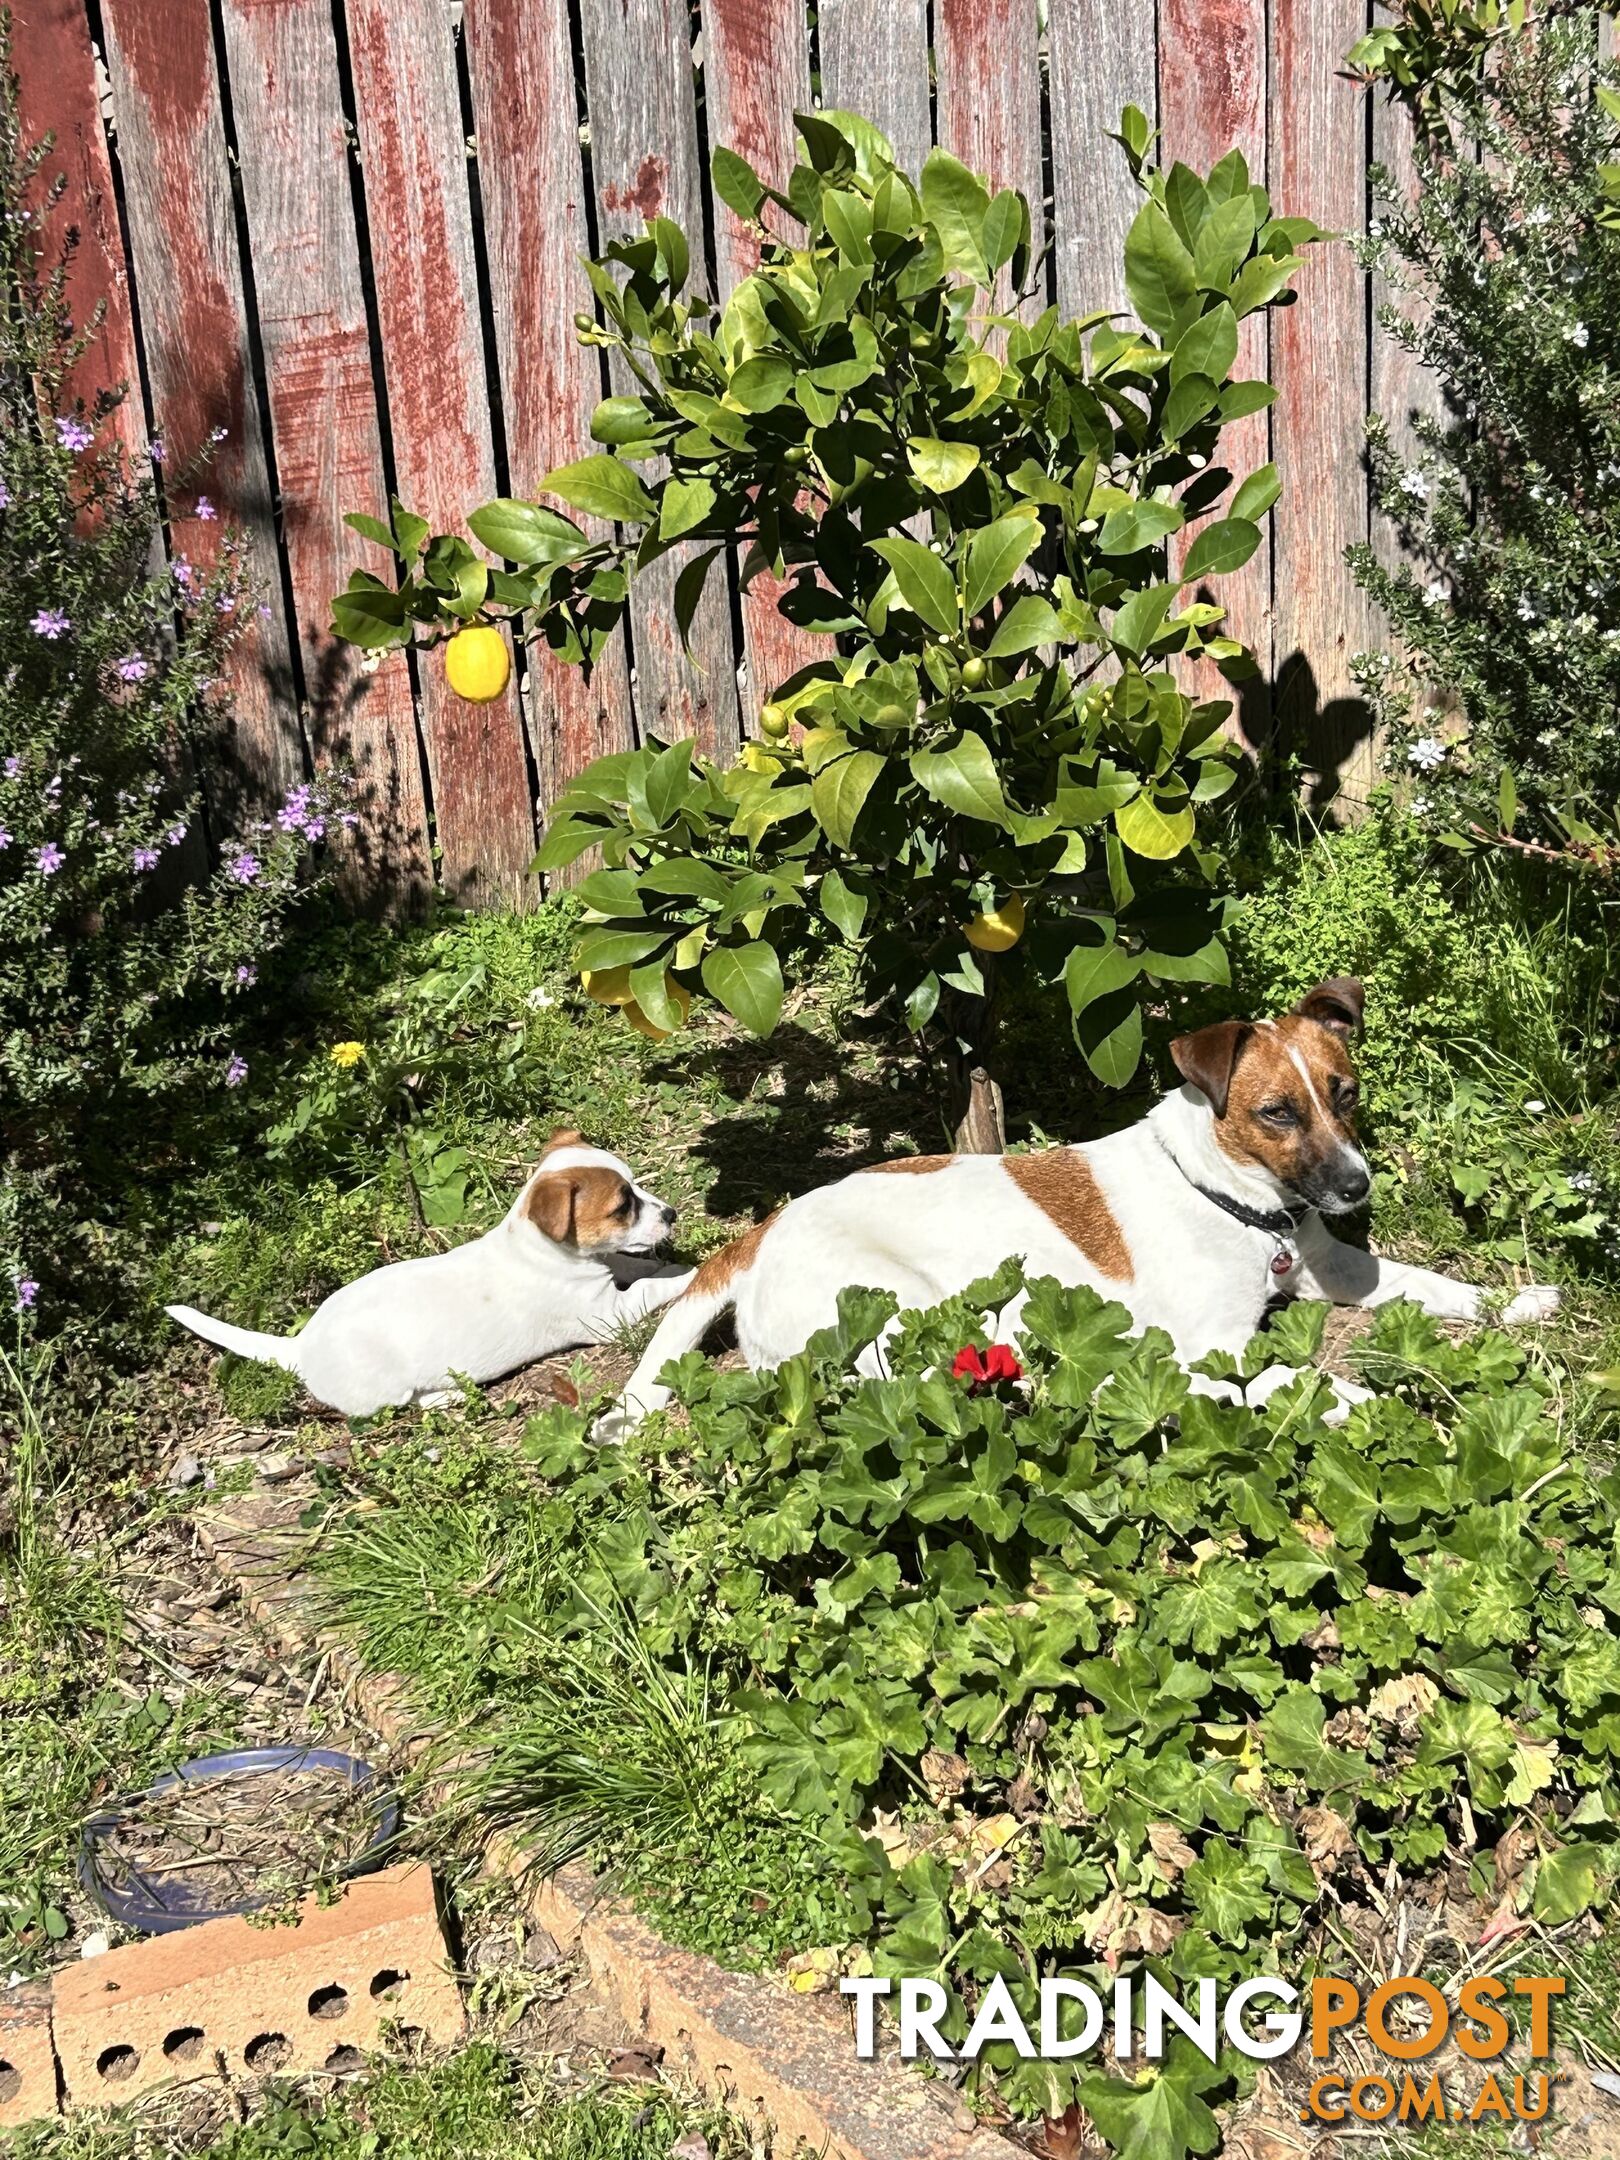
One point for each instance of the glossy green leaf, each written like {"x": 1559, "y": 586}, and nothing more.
{"x": 996, "y": 553}
{"x": 962, "y": 775}
{"x": 603, "y": 487}
{"x": 941, "y": 466}
{"x": 747, "y": 981}
{"x": 1158, "y": 269}
{"x": 925, "y": 583}
{"x": 1220, "y": 548}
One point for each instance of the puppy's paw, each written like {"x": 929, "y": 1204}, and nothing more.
{"x": 613, "y": 1426}
{"x": 1537, "y": 1302}
{"x": 1346, "y": 1395}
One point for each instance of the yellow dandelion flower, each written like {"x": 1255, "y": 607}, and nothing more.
{"x": 345, "y": 1054}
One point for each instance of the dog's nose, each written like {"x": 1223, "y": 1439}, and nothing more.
{"x": 668, "y": 1214}
{"x": 1354, "y": 1187}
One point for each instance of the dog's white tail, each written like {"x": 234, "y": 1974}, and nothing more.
{"x": 279, "y": 1350}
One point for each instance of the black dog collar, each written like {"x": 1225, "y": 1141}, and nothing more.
{"x": 1276, "y": 1222}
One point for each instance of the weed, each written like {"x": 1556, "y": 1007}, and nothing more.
{"x": 480, "y": 2105}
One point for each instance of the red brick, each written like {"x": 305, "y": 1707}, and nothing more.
{"x": 27, "y": 2059}
{"x": 161, "y": 2011}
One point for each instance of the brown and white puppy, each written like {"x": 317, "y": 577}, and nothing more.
{"x": 1194, "y": 1218}
{"x": 571, "y": 1263}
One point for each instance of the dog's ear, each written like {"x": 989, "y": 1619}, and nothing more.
{"x": 564, "y": 1136}
{"x": 1337, "y": 1004}
{"x": 550, "y": 1205}
{"x": 1207, "y": 1058}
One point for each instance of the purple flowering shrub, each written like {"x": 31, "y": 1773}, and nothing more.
{"x": 130, "y": 937}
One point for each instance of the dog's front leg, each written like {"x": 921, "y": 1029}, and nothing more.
{"x": 634, "y": 1301}
{"x": 1346, "y": 1275}
{"x": 1266, "y": 1383}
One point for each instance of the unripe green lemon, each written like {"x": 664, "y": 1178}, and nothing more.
{"x": 975, "y": 673}
{"x": 796, "y": 457}
{"x": 583, "y": 321}
{"x": 774, "y": 722}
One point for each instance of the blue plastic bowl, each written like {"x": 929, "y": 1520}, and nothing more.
{"x": 158, "y": 1904}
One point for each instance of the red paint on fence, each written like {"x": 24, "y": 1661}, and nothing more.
{"x": 1212, "y": 98}
{"x": 414, "y": 160}
{"x": 323, "y": 406}
{"x": 57, "y": 82}
{"x": 533, "y": 188}
{"x": 194, "y": 321}
{"x": 757, "y": 75}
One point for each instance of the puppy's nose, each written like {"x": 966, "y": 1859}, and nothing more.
{"x": 668, "y": 1214}
{"x": 1354, "y": 1187}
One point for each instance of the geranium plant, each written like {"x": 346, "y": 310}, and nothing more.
{"x": 995, "y": 765}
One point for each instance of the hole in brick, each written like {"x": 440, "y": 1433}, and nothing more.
{"x": 110, "y": 1987}
{"x": 117, "y": 2063}
{"x": 387, "y": 1984}
{"x": 329, "y": 2002}
{"x": 10, "y": 2082}
{"x": 345, "y": 2059}
{"x": 184, "y": 2044}
{"x": 409, "y": 2038}
{"x": 267, "y": 2051}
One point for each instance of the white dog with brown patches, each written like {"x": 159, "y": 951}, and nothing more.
{"x": 571, "y": 1263}
{"x": 1194, "y": 1219}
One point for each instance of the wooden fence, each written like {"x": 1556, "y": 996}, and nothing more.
{"x": 346, "y": 232}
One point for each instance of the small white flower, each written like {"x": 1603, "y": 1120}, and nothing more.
{"x": 1420, "y": 806}
{"x": 537, "y": 1000}
{"x": 1375, "y": 230}
{"x": 1426, "y": 753}
{"x": 1414, "y": 484}
{"x": 1535, "y": 1106}
{"x": 1581, "y": 1181}
{"x": 1436, "y": 594}
{"x": 1541, "y": 215}
{"x": 1526, "y": 609}
{"x": 1580, "y": 337}
{"x": 1547, "y": 738}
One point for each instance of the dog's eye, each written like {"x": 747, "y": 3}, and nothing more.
{"x": 1279, "y": 1113}
{"x": 625, "y": 1202}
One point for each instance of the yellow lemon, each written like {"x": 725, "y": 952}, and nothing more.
{"x": 774, "y": 722}
{"x": 477, "y": 663}
{"x": 643, "y": 1026}
{"x": 998, "y": 929}
{"x": 606, "y": 986}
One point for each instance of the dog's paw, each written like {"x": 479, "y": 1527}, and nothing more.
{"x": 612, "y": 1426}
{"x": 1538, "y": 1302}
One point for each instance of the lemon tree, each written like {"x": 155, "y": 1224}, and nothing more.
{"x": 997, "y": 769}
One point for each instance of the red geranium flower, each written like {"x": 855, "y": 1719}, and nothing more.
{"x": 982, "y": 1368}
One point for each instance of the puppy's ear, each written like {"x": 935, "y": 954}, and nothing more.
{"x": 1337, "y": 1004}
{"x": 564, "y": 1136}
{"x": 550, "y": 1205}
{"x": 1207, "y": 1058}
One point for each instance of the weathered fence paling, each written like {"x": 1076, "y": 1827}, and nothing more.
{"x": 380, "y": 290}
